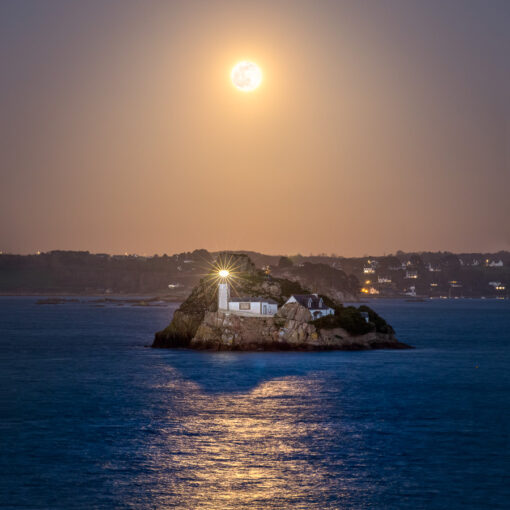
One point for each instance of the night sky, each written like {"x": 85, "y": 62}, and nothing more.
{"x": 379, "y": 126}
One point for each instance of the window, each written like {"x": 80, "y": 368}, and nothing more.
{"x": 244, "y": 306}
{"x": 309, "y": 302}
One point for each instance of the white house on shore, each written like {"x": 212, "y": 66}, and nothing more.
{"x": 313, "y": 303}
{"x": 255, "y": 306}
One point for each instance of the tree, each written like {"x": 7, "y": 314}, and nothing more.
{"x": 285, "y": 262}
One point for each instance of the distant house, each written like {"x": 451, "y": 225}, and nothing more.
{"x": 383, "y": 279}
{"x": 411, "y": 274}
{"x": 493, "y": 263}
{"x": 368, "y": 270}
{"x": 313, "y": 302}
{"x": 369, "y": 290}
{"x": 411, "y": 291}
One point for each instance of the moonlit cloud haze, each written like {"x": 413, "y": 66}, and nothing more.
{"x": 378, "y": 126}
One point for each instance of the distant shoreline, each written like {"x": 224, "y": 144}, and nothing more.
{"x": 172, "y": 299}
{"x": 179, "y": 299}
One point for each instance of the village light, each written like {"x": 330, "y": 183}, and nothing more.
{"x": 223, "y": 273}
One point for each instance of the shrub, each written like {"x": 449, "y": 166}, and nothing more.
{"x": 381, "y": 325}
{"x": 285, "y": 262}
{"x": 350, "y": 319}
{"x": 290, "y": 287}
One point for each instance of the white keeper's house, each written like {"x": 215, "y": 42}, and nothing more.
{"x": 314, "y": 303}
{"x": 265, "y": 307}
{"x": 255, "y": 306}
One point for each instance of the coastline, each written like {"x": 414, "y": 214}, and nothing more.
{"x": 173, "y": 299}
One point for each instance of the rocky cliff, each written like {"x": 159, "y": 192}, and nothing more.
{"x": 290, "y": 329}
{"x": 248, "y": 281}
{"x": 198, "y": 324}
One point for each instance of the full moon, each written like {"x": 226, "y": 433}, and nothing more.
{"x": 246, "y": 76}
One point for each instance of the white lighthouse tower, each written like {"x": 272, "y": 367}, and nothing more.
{"x": 223, "y": 291}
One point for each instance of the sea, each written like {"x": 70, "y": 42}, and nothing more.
{"x": 92, "y": 418}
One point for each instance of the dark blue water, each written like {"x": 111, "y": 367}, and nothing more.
{"x": 90, "y": 418}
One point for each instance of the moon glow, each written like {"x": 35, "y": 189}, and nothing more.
{"x": 246, "y": 76}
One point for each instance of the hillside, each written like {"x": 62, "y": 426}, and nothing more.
{"x": 439, "y": 274}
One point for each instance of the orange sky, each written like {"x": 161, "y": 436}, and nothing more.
{"x": 379, "y": 126}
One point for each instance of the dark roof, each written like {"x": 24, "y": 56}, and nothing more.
{"x": 304, "y": 299}
{"x": 250, "y": 299}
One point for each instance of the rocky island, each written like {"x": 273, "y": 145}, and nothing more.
{"x": 303, "y": 321}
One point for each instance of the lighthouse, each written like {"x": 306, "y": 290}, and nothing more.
{"x": 223, "y": 291}
{"x": 247, "y": 306}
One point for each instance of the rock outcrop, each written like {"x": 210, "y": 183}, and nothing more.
{"x": 204, "y": 298}
{"x": 198, "y": 324}
{"x": 289, "y": 329}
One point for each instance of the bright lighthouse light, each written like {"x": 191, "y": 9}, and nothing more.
{"x": 223, "y": 273}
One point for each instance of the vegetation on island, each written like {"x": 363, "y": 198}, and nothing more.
{"x": 352, "y": 320}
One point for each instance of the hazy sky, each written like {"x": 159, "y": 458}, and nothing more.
{"x": 379, "y": 125}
